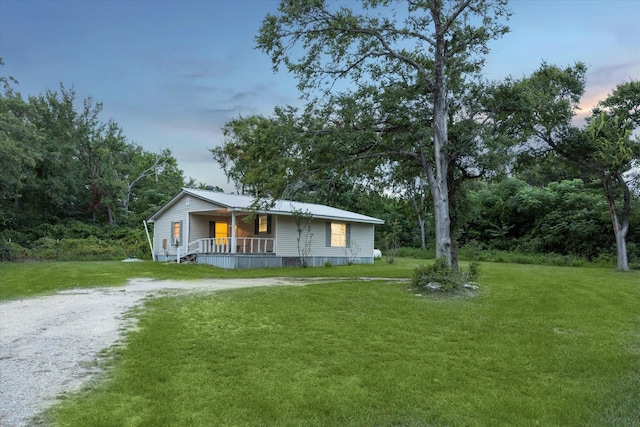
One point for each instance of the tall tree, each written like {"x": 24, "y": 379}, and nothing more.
{"x": 433, "y": 46}
{"x": 58, "y": 189}
{"x": 538, "y": 111}
{"x": 257, "y": 150}
{"x": 614, "y": 151}
{"x": 101, "y": 148}
{"x": 19, "y": 154}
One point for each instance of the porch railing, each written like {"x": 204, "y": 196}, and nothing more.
{"x": 222, "y": 245}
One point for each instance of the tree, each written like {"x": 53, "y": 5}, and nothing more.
{"x": 101, "y": 149}
{"x": 416, "y": 190}
{"x": 356, "y": 144}
{"x": 143, "y": 164}
{"x": 429, "y": 51}
{"x": 151, "y": 180}
{"x": 538, "y": 111}
{"x": 58, "y": 190}
{"x": 258, "y": 152}
{"x": 62, "y": 163}
{"x": 19, "y": 154}
{"x": 303, "y": 220}
{"x": 567, "y": 217}
{"x": 614, "y": 152}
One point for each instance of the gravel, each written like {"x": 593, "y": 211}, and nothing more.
{"x": 48, "y": 345}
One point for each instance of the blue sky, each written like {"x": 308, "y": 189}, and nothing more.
{"x": 172, "y": 73}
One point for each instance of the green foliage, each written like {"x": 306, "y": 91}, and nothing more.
{"x": 62, "y": 167}
{"x": 538, "y": 111}
{"x": 304, "y": 237}
{"x": 76, "y": 240}
{"x": 568, "y": 218}
{"x": 440, "y": 277}
{"x": 409, "y": 69}
{"x": 417, "y": 253}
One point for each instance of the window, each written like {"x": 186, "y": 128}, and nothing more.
{"x": 338, "y": 234}
{"x": 176, "y": 233}
{"x": 263, "y": 224}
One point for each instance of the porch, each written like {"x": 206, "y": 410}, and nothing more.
{"x": 232, "y": 245}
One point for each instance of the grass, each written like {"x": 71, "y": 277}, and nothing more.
{"x": 40, "y": 278}
{"x": 539, "y": 346}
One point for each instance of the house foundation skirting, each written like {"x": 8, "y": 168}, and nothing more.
{"x": 243, "y": 261}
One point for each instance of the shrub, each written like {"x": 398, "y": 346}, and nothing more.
{"x": 416, "y": 253}
{"x": 471, "y": 250}
{"x": 439, "y": 277}
{"x": 10, "y": 251}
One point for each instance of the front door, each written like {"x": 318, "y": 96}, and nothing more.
{"x": 218, "y": 229}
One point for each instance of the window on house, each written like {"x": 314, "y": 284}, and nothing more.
{"x": 263, "y": 224}
{"x": 176, "y": 233}
{"x": 338, "y": 234}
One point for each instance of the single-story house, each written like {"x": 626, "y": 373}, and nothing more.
{"x": 228, "y": 231}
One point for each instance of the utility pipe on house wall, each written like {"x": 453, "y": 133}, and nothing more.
{"x": 153, "y": 252}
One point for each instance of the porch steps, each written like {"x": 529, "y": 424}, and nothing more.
{"x": 188, "y": 258}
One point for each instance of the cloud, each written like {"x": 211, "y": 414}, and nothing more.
{"x": 605, "y": 75}
{"x": 601, "y": 81}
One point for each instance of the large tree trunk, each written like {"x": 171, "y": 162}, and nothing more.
{"x": 440, "y": 196}
{"x": 621, "y": 246}
{"x": 620, "y": 222}
{"x": 438, "y": 181}
{"x": 442, "y": 222}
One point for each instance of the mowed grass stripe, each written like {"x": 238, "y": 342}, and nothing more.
{"x": 538, "y": 346}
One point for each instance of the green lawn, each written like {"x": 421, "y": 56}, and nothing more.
{"x": 549, "y": 346}
{"x": 28, "y": 279}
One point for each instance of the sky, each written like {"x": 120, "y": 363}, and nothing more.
{"x": 171, "y": 73}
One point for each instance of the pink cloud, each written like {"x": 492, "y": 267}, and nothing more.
{"x": 601, "y": 81}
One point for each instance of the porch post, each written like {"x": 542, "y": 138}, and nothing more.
{"x": 234, "y": 239}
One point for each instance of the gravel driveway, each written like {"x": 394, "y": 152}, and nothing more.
{"x": 48, "y": 344}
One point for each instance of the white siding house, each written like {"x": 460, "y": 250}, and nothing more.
{"x": 226, "y": 231}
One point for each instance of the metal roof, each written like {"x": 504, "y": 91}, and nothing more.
{"x": 235, "y": 202}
